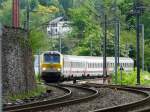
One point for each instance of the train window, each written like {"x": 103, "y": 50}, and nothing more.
{"x": 52, "y": 58}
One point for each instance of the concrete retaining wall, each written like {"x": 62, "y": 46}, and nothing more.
{"x": 17, "y": 62}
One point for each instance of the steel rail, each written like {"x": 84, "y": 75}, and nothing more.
{"x": 142, "y": 110}
{"x": 114, "y": 85}
{"x": 128, "y": 106}
{"x": 67, "y": 91}
{"x": 95, "y": 93}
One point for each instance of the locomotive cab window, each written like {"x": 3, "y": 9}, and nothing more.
{"x": 52, "y": 58}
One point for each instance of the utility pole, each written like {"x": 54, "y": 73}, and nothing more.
{"x": 142, "y": 25}
{"x": 0, "y": 67}
{"x": 117, "y": 36}
{"x": 116, "y": 53}
{"x": 104, "y": 49}
{"x": 118, "y": 25}
{"x": 137, "y": 11}
{"x": 60, "y": 43}
{"x": 28, "y": 18}
{"x": 15, "y": 13}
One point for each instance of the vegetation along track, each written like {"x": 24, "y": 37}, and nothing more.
{"x": 45, "y": 105}
{"x": 142, "y": 105}
{"x": 67, "y": 94}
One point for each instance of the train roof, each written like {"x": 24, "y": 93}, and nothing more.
{"x": 96, "y": 58}
{"x": 51, "y": 52}
{"x": 91, "y": 58}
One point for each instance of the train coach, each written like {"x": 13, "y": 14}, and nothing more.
{"x": 54, "y": 66}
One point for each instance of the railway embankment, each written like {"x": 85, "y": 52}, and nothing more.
{"x": 17, "y": 64}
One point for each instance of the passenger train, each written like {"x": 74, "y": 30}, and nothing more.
{"x": 54, "y": 66}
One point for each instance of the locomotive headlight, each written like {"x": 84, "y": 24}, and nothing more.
{"x": 58, "y": 69}
{"x": 44, "y": 69}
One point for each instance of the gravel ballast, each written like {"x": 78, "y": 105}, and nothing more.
{"x": 107, "y": 98}
{"x": 54, "y": 93}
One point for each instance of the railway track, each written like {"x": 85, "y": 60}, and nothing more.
{"x": 142, "y": 105}
{"x": 53, "y": 103}
{"x": 67, "y": 94}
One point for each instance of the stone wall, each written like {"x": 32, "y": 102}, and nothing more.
{"x": 17, "y": 62}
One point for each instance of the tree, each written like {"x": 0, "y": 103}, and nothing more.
{"x": 45, "y": 2}
{"x": 6, "y": 13}
{"x": 66, "y": 4}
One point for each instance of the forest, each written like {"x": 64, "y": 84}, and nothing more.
{"x": 87, "y": 18}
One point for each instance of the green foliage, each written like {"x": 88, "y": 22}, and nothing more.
{"x": 38, "y": 41}
{"x": 45, "y": 2}
{"x": 66, "y": 4}
{"x": 33, "y": 4}
{"x": 87, "y": 25}
{"x": 85, "y": 29}
{"x": 5, "y": 13}
{"x": 147, "y": 54}
{"x": 130, "y": 78}
{"x": 36, "y": 92}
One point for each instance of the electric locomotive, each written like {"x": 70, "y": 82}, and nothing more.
{"x": 55, "y": 66}
{"x": 51, "y": 64}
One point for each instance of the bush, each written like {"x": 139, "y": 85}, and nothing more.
{"x": 36, "y": 92}
{"x": 130, "y": 78}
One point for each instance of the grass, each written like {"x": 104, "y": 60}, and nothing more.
{"x": 130, "y": 78}
{"x": 36, "y": 92}
{"x": 37, "y": 77}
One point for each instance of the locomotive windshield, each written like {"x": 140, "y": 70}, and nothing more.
{"x": 52, "y": 58}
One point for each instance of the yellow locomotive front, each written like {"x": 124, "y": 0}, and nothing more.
{"x": 51, "y": 66}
